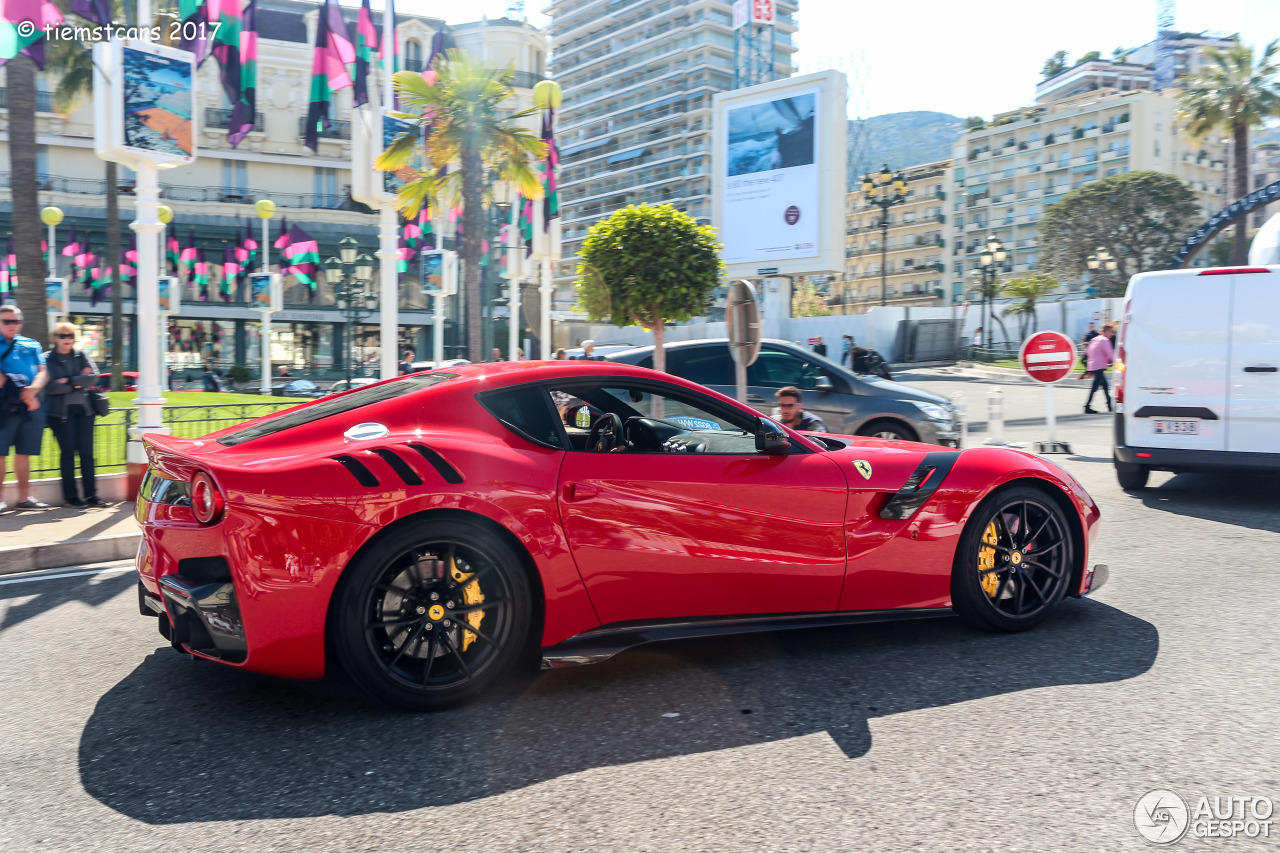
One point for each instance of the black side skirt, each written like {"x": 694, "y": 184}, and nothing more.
{"x": 600, "y": 644}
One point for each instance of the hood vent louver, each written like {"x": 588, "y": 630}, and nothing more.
{"x": 358, "y": 470}
{"x": 398, "y": 465}
{"x": 442, "y": 466}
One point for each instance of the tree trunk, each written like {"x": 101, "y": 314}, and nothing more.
{"x": 112, "y": 268}
{"x": 472, "y": 234}
{"x": 1240, "y": 243}
{"x": 659, "y": 362}
{"x": 20, "y": 76}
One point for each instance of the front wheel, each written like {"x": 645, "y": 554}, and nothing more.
{"x": 1014, "y": 561}
{"x": 432, "y": 615}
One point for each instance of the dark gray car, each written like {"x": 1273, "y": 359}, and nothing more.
{"x": 849, "y": 403}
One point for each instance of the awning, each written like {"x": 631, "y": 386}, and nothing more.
{"x": 627, "y": 155}
{"x": 577, "y": 149}
{"x": 976, "y": 189}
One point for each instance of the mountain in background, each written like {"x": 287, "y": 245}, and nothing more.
{"x": 901, "y": 140}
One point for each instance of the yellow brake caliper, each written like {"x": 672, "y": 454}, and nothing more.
{"x": 471, "y": 595}
{"x": 987, "y": 561}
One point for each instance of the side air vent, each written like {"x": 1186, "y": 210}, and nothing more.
{"x": 398, "y": 465}
{"x": 358, "y": 470}
{"x": 920, "y": 486}
{"x": 443, "y": 468}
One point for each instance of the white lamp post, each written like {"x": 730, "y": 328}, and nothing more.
{"x": 547, "y": 96}
{"x": 266, "y": 208}
{"x": 165, "y": 214}
{"x": 52, "y": 217}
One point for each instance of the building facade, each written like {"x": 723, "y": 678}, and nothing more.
{"x": 1007, "y": 173}
{"x": 909, "y": 267}
{"x": 212, "y": 199}
{"x": 635, "y": 126}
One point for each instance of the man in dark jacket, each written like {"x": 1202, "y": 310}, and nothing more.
{"x": 792, "y": 413}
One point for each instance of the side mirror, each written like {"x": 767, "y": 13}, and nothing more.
{"x": 770, "y": 438}
{"x": 824, "y": 385}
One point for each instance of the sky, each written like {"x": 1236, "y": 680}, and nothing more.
{"x": 959, "y": 58}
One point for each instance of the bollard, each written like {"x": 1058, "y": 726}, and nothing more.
{"x": 995, "y": 417}
{"x": 962, "y": 415}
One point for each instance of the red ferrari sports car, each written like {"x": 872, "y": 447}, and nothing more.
{"x": 431, "y": 531}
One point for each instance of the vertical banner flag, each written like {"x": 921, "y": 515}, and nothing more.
{"x": 551, "y": 198}
{"x": 198, "y": 18}
{"x": 98, "y": 11}
{"x": 329, "y": 69}
{"x": 129, "y": 260}
{"x": 174, "y": 251}
{"x": 15, "y": 39}
{"x": 187, "y": 260}
{"x": 282, "y": 243}
{"x": 304, "y": 258}
{"x": 201, "y": 274}
{"x": 230, "y": 271}
{"x": 244, "y": 111}
{"x": 366, "y": 37}
{"x": 9, "y": 270}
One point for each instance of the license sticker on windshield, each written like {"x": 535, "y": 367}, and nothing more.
{"x": 1178, "y": 427}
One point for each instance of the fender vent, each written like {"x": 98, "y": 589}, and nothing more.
{"x": 920, "y": 486}
{"x": 358, "y": 470}
{"x": 442, "y": 466}
{"x": 398, "y": 465}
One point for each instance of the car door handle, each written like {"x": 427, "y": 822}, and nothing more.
{"x": 579, "y": 491}
{"x": 1260, "y": 368}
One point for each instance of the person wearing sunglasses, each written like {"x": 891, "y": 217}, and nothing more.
{"x": 791, "y": 411}
{"x": 22, "y": 375}
{"x": 70, "y": 416}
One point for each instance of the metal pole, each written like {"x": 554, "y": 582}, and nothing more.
{"x": 884, "y": 253}
{"x": 544, "y": 330}
{"x": 1050, "y": 420}
{"x": 264, "y": 328}
{"x": 437, "y": 301}
{"x": 389, "y": 297}
{"x": 149, "y": 401}
{"x": 52, "y": 240}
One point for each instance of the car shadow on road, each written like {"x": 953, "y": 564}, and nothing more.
{"x": 43, "y": 595}
{"x": 179, "y": 741}
{"x": 1243, "y": 498}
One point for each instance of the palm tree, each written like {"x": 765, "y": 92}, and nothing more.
{"x": 20, "y": 78}
{"x": 1027, "y": 291}
{"x": 1233, "y": 93}
{"x": 462, "y": 123}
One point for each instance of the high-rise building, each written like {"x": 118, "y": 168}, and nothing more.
{"x": 635, "y": 126}
{"x": 1264, "y": 170}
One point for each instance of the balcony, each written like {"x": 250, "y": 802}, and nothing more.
{"x": 337, "y": 130}
{"x": 941, "y": 195}
{"x": 526, "y": 80}
{"x": 220, "y": 119}
{"x": 44, "y": 100}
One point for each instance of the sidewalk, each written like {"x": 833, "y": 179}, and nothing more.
{"x": 64, "y": 536}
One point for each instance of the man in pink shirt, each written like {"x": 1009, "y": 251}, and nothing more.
{"x": 1098, "y": 357}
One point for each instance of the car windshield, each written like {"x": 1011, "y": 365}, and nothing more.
{"x": 366, "y": 396}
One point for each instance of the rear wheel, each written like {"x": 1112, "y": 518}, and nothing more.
{"x": 888, "y": 429}
{"x": 1132, "y": 477}
{"x": 1014, "y": 561}
{"x": 432, "y": 615}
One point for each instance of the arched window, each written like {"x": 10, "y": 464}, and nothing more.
{"x": 412, "y": 55}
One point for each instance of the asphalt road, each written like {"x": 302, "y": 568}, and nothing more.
{"x": 894, "y": 737}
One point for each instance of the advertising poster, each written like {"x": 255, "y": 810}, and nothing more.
{"x": 54, "y": 299}
{"x": 169, "y": 294}
{"x": 432, "y": 272}
{"x": 770, "y": 203}
{"x": 393, "y": 181}
{"x": 158, "y": 104}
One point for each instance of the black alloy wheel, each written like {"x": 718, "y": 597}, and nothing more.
{"x": 888, "y": 429}
{"x": 1015, "y": 560}
{"x": 433, "y": 615}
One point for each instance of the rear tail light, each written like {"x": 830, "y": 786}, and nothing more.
{"x": 206, "y": 499}
{"x": 1233, "y": 271}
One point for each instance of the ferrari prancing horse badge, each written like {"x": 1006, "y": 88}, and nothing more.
{"x": 863, "y": 467}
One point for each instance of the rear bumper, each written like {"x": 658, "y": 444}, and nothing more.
{"x": 1166, "y": 459}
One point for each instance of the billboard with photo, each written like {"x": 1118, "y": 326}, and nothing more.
{"x": 144, "y": 103}
{"x": 266, "y": 291}
{"x": 779, "y": 176}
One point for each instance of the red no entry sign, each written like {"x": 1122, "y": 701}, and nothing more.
{"x": 1048, "y": 357}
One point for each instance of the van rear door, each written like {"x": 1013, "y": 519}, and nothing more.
{"x": 1254, "y": 404}
{"x": 1176, "y": 347}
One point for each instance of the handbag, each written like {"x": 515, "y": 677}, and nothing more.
{"x": 99, "y": 403}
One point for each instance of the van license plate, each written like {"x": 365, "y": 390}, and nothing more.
{"x": 1177, "y": 427}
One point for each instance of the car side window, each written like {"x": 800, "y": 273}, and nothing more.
{"x": 526, "y": 411}
{"x": 777, "y": 369}
{"x": 703, "y": 365}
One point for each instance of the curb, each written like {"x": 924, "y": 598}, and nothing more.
{"x": 73, "y": 552}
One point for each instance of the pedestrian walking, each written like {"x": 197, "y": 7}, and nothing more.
{"x": 22, "y": 376}
{"x": 589, "y": 351}
{"x": 977, "y": 337}
{"x": 1085, "y": 339}
{"x": 792, "y": 413}
{"x": 70, "y": 416}
{"x": 496, "y": 355}
{"x": 820, "y": 348}
{"x": 846, "y": 350}
{"x": 1100, "y": 356}
{"x": 406, "y": 363}
{"x": 210, "y": 378}
{"x": 560, "y": 355}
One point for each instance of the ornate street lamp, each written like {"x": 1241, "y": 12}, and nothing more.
{"x": 884, "y": 191}
{"x": 352, "y": 291}
{"x": 1102, "y": 261}
{"x": 989, "y": 267}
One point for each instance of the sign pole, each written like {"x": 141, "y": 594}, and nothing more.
{"x": 265, "y": 209}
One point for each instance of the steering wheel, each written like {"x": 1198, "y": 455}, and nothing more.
{"x": 605, "y": 433}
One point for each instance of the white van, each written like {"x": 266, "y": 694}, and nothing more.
{"x": 1198, "y": 372}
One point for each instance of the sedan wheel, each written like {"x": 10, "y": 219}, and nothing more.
{"x": 888, "y": 429}
{"x": 1014, "y": 562}
{"x": 433, "y": 615}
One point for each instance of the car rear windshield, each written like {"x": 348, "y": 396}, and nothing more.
{"x": 335, "y": 406}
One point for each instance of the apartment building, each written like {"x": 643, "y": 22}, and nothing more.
{"x": 214, "y": 196}
{"x": 1264, "y": 170}
{"x": 1007, "y": 173}
{"x": 909, "y": 266}
{"x": 635, "y": 126}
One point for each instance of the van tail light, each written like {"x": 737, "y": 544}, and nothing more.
{"x": 1233, "y": 271}
{"x": 1120, "y": 361}
{"x": 207, "y": 501}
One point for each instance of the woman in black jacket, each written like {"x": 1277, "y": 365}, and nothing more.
{"x": 69, "y": 414}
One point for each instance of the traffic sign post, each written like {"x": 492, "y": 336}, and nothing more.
{"x": 742, "y": 316}
{"x": 1049, "y": 358}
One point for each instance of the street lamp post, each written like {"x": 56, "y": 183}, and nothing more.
{"x": 1103, "y": 261}
{"x": 989, "y": 268}
{"x": 353, "y": 293}
{"x": 884, "y": 191}
{"x": 547, "y": 96}
{"x": 265, "y": 209}
{"x": 52, "y": 217}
